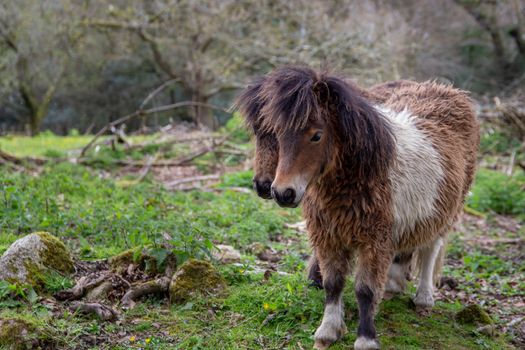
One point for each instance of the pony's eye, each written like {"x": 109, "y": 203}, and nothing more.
{"x": 316, "y": 137}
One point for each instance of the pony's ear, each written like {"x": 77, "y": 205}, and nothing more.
{"x": 250, "y": 102}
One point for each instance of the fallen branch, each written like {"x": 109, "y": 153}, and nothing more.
{"x": 104, "y": 312}
{"x": 174, "y": 141}
{"x": 171, "y": 185}
{"x": 157, "y": 286}
{"x": 143, "y": 113}
{"x": 84, "y": 284}
{"x": 146, "y": 168}
{"x": 202, "y": 151}
{"x": 496, "y": 240}
{"x": 9, "y": 158}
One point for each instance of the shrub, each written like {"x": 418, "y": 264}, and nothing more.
{"x": 497, "y": 192}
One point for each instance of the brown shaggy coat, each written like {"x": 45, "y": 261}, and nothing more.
{"x": 389, "y": 174}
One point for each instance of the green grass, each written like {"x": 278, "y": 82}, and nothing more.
{"x": 278, "y": 313}
{"x": 45, "y": 144}
{"x": 49, "y": 145}
{"x": 98, "y": 218}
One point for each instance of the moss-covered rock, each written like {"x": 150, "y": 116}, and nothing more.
{"x": 145, "y": 259}
{"x": 195, "y": 277}
{"x": 16, "y": 334}
{"x": 473, "y": 314}
{"x": 29, "y": 259}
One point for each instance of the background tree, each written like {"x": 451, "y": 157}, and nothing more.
{"x": 41, "y": 37}
{"x": 81, "y": 64}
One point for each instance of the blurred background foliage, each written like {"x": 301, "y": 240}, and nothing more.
{"x": 80, "y": 64}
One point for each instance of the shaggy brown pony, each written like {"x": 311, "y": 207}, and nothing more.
{"x": 265, "y": 164}
{"x": 376, "y": 176}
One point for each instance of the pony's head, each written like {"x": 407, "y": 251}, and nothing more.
{"x": 250, "y": 103}
{"x": 319, "y": 123}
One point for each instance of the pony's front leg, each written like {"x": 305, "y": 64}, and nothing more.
{"x": 373, "y": 263}
{"x": 334, "y": 268}
{"x": 314, "y": 272}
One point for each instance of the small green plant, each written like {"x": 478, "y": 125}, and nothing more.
{"x": 55, "y": 282}
{"x": 496, "y": 142}
{"x": 497, "y": 192}
{"x": 12, "y": 293}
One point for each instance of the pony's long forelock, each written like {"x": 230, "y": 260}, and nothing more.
{"x": 250, "y": 102}
{"x": 290, "y": 99}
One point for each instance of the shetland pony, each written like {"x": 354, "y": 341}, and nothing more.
{"x": 379, "y": 176}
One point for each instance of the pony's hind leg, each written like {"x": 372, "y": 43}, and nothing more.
{"x": 428, "y": 258}
{"x": 370, "y": 280}
{"x": 314, "y": 272}
{"x": 398, "y": 273}
{"x": 334, "y": 268}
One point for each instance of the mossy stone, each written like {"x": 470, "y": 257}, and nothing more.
{"x": 16, "y": 334}
{"x": 195, "y": 277}
{"x": 473, "y": 314}
{"x": 29, "y": 259}
{"x": 55, "y": 253}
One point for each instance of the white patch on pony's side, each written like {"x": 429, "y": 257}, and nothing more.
{"x": 415, "y": 175}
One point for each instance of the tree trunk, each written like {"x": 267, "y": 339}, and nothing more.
{"x": 36, "y": 118}
{"x": 485, "y": 14}
{"x": 201, "y": 115}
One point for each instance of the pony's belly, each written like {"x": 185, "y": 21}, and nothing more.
{"x": 422, "y": 233}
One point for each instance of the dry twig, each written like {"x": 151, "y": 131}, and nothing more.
{"x": 173, "y": 184}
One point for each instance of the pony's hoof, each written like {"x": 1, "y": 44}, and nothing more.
{"x": 424, "y": 300}
{"x": 423, "y": 310}
{"x": 326, "y": 335}
{"x": 321, "y": 344}
{"x": 363, "y": 343}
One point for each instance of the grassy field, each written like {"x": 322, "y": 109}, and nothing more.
{"x": 98, "y": 217}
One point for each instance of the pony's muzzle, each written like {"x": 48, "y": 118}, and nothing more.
{"x": 263, "y": 188}
{"x": 285, "y": 198}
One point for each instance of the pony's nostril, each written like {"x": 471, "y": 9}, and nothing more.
{"x": 262, "y": 188}
{"x": 266, "y": 187}
{"x": 288, "y": 196}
